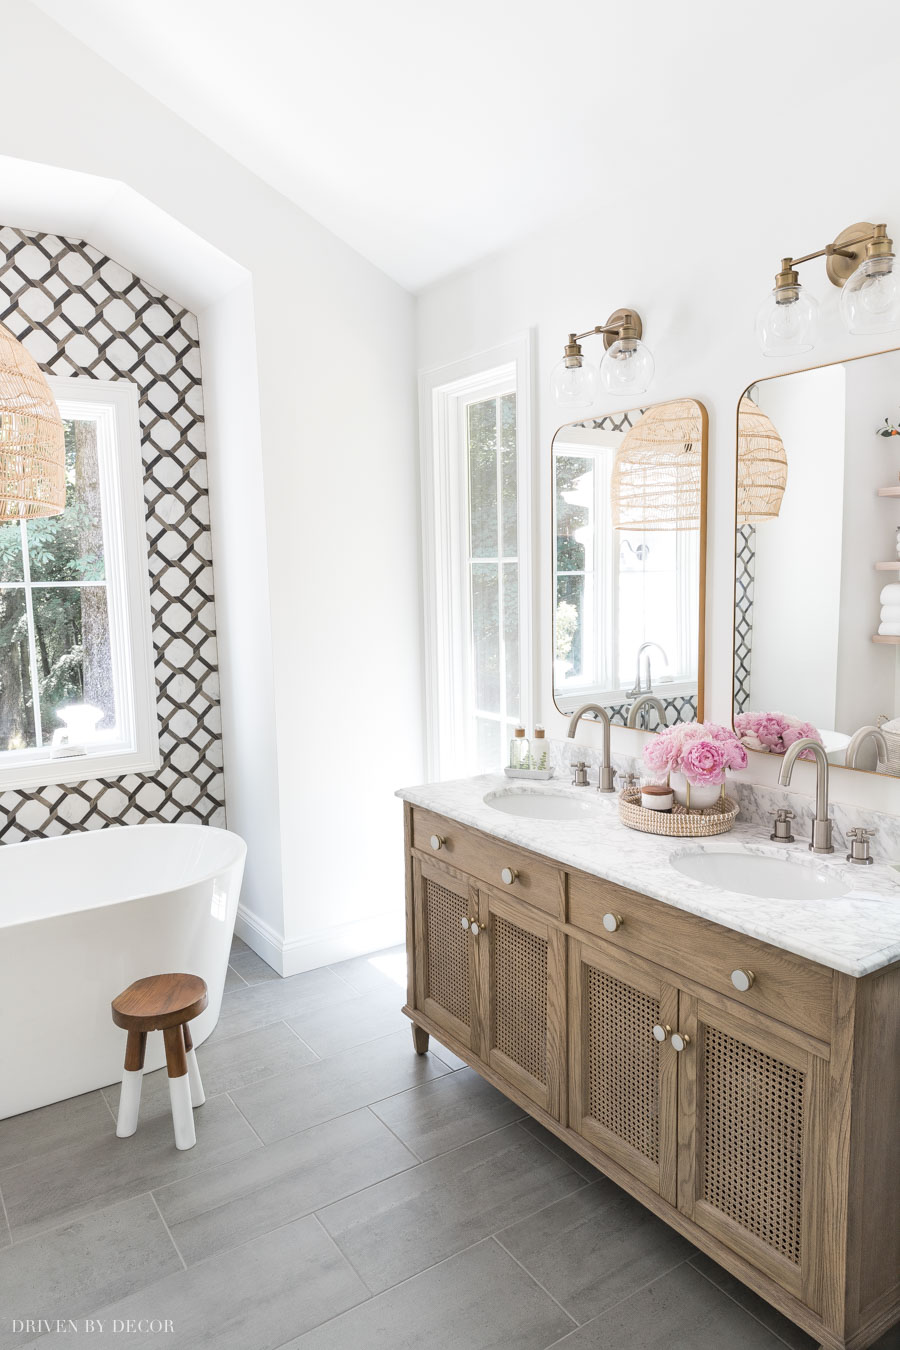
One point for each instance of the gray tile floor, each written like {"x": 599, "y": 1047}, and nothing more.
{"x": 344, "y": 1194}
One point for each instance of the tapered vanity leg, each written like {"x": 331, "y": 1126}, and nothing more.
{"x": 420, "y": 1039}
{"x": 198, "y": 1096}
{"x": 132, "y": 1078}
{"x": 179, "y": 1088}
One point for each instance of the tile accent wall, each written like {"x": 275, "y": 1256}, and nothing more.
{"x": 81, "y": 313}
{"x": 745, "y": 576}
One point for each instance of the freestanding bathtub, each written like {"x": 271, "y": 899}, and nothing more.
{"x": 81, "y": 917}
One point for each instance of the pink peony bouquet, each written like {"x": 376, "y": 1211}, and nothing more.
{"x": 773, "y": 732}
{"x": 702, "y": 751}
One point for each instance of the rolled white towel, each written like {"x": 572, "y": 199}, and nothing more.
{"x": 890, "y": 613}
{"x": 889, "y": 629}
{"x": 890, "y": 594}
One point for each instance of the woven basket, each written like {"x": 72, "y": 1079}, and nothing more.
{"x": 679, "y": 823}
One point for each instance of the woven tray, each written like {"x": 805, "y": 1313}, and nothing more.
{"x": 679, "y": 823}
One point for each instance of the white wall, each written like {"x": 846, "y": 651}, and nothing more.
{"x": 334, "y": 338}
{"x": 698, "y": 290}
{"x": 797, "y": 591}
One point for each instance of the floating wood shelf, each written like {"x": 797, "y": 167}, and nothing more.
{"x": 889, "y": 491}
{"x": 888, "y": 640}
{"x": 888, "y": 567}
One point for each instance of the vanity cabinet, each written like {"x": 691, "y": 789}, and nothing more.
{"x": 748, "y": 1096}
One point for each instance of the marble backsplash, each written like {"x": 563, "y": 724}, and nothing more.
{"x": 758, "y": 802}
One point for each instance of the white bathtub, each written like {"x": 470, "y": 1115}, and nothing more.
{"x": 81, "y": 917}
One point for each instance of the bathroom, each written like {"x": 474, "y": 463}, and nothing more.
{"x": 271, "y": 325}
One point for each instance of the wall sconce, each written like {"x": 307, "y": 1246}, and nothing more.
{"x": 870, "y": 294}
{"x": 626, "y": 366}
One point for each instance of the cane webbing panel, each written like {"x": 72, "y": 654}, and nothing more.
{"x": 519, "y": 987}
{"x": 753, "y": 1140}
{"x": 623, "y": 1062}
{"x": 448, "y": 949}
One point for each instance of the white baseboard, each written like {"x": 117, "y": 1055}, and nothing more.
{"x": 320, "y": 948}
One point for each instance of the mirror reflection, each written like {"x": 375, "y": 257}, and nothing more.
{"x": 629, "y": 501}
{"x": 817, "y": 575}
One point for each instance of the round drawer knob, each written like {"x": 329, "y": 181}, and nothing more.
{"x": 508, "y": 876}
{"x": 612, "y": 921}
{"x": 661, "y": 1033}
{"x": 476, "y": 928}
{"x": 465, "y": 923}
{"x": 679, "y": 1041}
{"x": 437, "y": 842}
{"x": 742, "y": 979}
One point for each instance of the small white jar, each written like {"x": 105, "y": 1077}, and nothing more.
{"x": 657, "y": 797}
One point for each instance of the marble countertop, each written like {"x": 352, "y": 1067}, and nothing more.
{"x": 857, "y": 933}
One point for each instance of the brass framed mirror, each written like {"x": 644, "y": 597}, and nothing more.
{"x": 629, "y": 563}
{"x": 817, "y": 562}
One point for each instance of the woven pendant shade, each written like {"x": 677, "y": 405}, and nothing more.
{"x": 762, "y": 466}
{"x": 32, "y": 438}
{"x": 657, "y": 476}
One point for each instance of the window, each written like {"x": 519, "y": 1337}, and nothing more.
{"x": 478, "y": 546}
{"x": 76, "y": 673}
{"x": 616, "y": 589}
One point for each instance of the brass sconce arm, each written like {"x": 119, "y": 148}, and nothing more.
{"x": 625, "y": 323}
{"x": 844, "y": 254}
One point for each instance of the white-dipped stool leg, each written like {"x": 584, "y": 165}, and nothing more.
{"x": 182, "y": 1114}
{"x": 129, "y": 1102}
{"x": 198, "y": 1096}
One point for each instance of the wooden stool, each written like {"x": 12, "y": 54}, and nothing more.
{"x": 165, "y": 1003}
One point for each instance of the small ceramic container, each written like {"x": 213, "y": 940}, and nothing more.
{"x": 657, "y": 797}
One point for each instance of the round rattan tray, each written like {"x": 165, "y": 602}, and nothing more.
{"x": 679, "y": 823}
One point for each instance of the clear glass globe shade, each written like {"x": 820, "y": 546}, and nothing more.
{"x": 786, "y": 322}
{"x": 627, "y": 367}
{"x": 870, "y": 299}
{"x": 575, "y": 386}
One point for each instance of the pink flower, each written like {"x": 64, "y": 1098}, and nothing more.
{"x": 661, "y": 754}
{"x": 800, "y": 731}
{"x": 735, "y": 754}
{"x": 703, "y": 762}
{"x": 770, "y": 729}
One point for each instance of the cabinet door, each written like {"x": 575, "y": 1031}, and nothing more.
{"x": 622, "y": 1080}
{"x": 750, "y": 1157}
{"x": 521, "y": 973}
{"x": 445, "y": 902}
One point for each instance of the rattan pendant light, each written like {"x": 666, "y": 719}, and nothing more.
{"x": 762, "y": 466}
{"x": 32, "y": 438}
{"x": 657, "y": 477}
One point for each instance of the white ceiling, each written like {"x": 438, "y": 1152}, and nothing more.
{"x": 428, "y": 136}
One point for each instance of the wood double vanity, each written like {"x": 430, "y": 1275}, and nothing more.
{"x": 747, "y": 1095}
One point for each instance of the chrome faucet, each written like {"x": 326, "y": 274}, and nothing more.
{"x": 638, "y": 687}
{"x": 821, "y": 829}
{"x": 606, "y": 770}
{"x": 858, "y": 740}
{"x": 643, "y": 704}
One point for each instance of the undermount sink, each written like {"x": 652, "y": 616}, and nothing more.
{"x": 544, "y": 803}
{"x": 761, "y": 874}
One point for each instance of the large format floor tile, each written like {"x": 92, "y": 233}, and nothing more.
{"x": 227, "y": 1205}
{"x": 762, "y": 1311}
{"x": 226, "y": 1065}
{"x": 89, "y": 1176}
{"x": 42, "y": 1132}
{"x": 252, "y": 968}
{"x": 377, "y": 973}
{"x": 681, "y": 1309}
{"x": 361, "y": 1019}
{"x": 275, "y": 1000}
{"x": 317, "y": 1092}
{"x": 447, "y": 1112}
{"x": 478, "y": 1300}
{"x": 404, "y": 1224}
{"x": 594, "y": 1248}
{"x": 72, "y": 1270}
{"x": 253, "y": 1298}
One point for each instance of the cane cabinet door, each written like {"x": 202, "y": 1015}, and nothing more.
{"x": 521, "y": 971}
{"x": 446, "y": 903}
{"x": 750, "y": 1162}
{"x": 623, "y": 1093}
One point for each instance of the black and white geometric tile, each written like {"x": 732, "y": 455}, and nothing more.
{"x": 81, "y": 313}
{"x": 744, "y": 579}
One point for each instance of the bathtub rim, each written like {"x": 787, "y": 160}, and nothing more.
{"x": 238, "y": 860}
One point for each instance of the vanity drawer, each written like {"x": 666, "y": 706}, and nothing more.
{"x": 784, "y": 986}
{"x": 532, "y": 879}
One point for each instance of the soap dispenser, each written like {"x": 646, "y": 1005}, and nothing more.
{"x": 540, "y": 758}
{"x": 519, "y": 750}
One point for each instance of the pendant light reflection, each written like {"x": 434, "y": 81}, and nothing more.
{"x": 32, "y": 438}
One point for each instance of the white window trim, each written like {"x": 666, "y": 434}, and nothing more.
{"x": 114, "y": 405}
{"x": 444, "y": 552}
